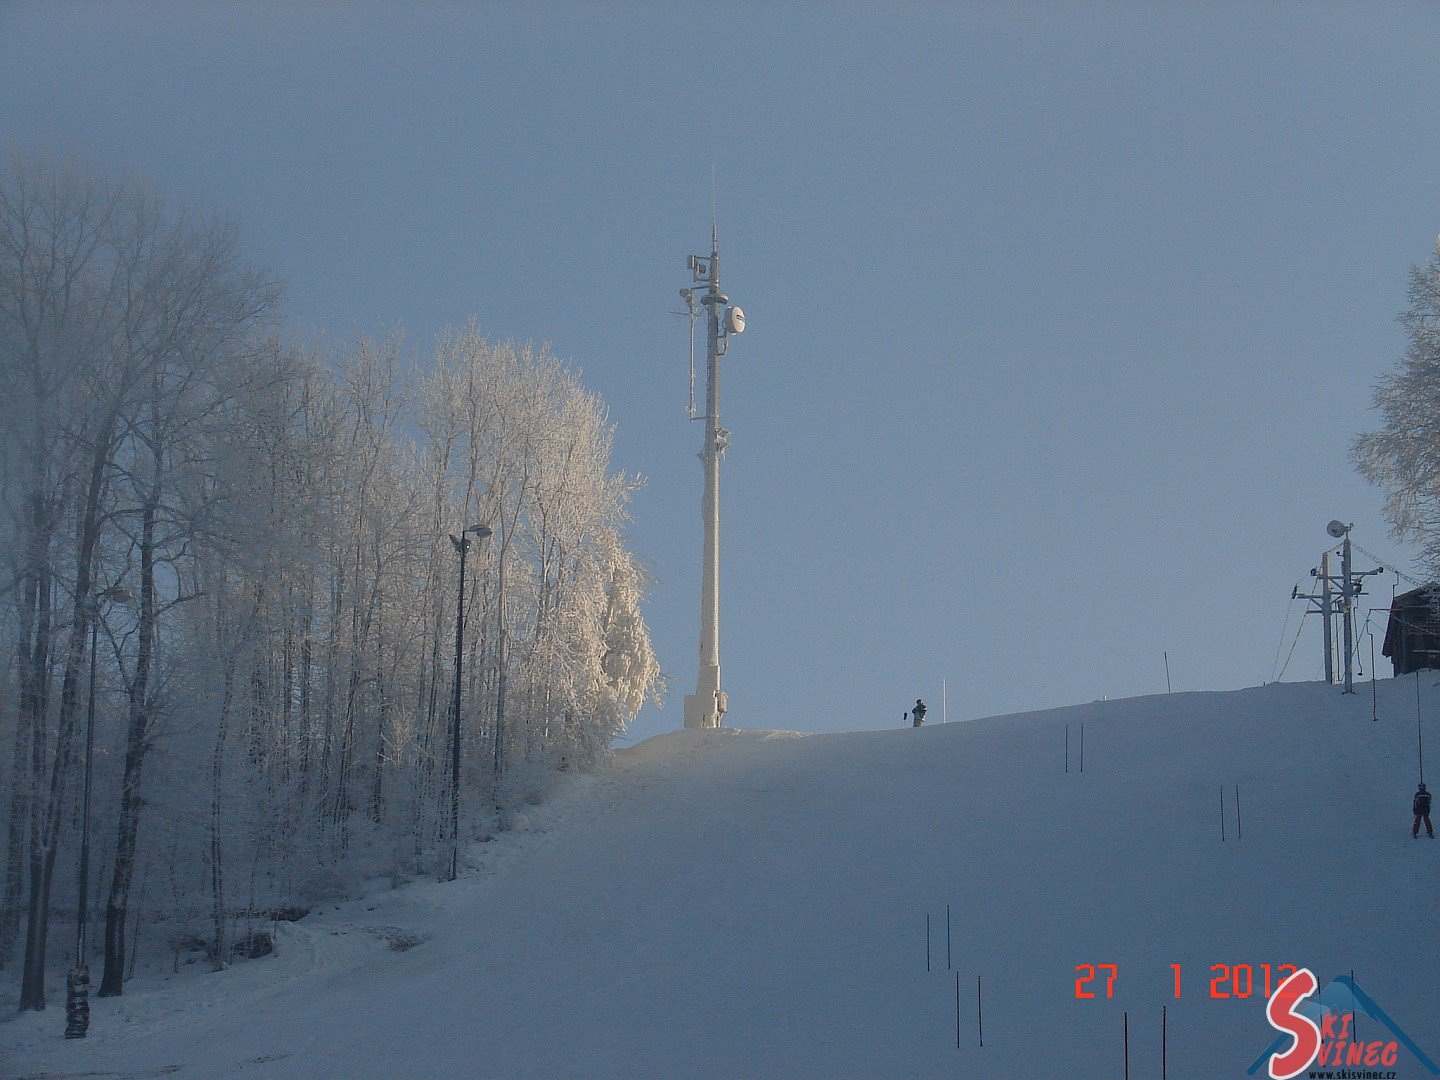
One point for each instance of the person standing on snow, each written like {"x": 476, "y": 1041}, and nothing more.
{"x": 1421, "y": 806}
{"x": 918, "y": 712}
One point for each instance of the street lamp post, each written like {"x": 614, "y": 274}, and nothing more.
{"x": 462, "y": 545}
{"x": 77, "y": 983}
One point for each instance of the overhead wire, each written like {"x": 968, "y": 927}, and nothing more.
{"x": 1284, "y": 629}
{"x": 1289, "y": 610}
{"x": 1298, "y": 630}
{"x": 1383, "y": 562}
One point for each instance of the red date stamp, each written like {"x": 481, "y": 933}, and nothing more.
{"x": 1238, "y": 981}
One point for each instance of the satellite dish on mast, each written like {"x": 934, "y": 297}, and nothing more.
{"x": 735, "y": 321}
{"x": 1337, "y": 529}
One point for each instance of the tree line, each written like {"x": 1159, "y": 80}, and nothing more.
{"x": 1402, "y": 455}
{"x": 234, "y": 553}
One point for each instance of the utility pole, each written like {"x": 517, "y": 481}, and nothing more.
{"x": 1347, "y": 612}
{"x": 1325, "y": 608}
{"x": 1337, "y": 596}
{"x": 1328, "y": 607}
{"x": 1350, "y": 588}
{"x": 707, "y": 706}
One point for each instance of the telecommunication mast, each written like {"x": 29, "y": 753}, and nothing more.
{"x": 707, "y": 706}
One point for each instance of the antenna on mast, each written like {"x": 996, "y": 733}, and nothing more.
{"x": 693, "y": 313}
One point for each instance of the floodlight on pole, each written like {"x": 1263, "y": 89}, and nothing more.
{"x": 462, "y": 545}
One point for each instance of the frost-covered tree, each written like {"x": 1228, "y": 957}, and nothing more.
{"x": 268, "y": 529}
{"x": 1403, "y": 454}
{"x": 118, "y": 310}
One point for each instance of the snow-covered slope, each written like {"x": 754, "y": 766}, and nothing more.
{"x": 753, "y": 904}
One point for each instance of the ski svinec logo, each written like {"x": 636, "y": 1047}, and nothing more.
{"x": 1322, "y": 1032}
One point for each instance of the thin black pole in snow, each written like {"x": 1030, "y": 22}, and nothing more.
{"x": 979, "y": 1012}
{"x": 1222, "y": 813}
{"x": 947, "y": 937}
{"x": 957, "y": 1010}
{"x": 1164, "y": 1041}
{"x": 1067, "y": 748}
{"x": 1082, "y": 745}
{"x": 1167, "y": 672}
{"x": 1355, "y": 1018}
{"x": 1374, "y": 675}
{"x": 1419, "y": 731}
{"x": 1127, "y": 1046}
{"x": 927, "y": 941}
{"x": 1239, "y": 833}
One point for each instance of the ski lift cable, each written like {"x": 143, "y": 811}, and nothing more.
{"x": 1368, "y": 628}
{"x": 1355, "y": 645}
{"x": 1298, "y": 631}
{"x": 1398, "y": 573}
{"x": 1419, "y": 730}
{"x": 1289, "y": 610}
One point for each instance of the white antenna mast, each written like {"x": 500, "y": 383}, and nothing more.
{"x": 706, "y": 707}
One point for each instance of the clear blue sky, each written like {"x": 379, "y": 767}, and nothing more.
{"x": 1062, "y": 317}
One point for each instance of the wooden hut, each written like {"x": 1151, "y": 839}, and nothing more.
{"x": 1412, "y": 638}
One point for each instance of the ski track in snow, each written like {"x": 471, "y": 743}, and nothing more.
{"x": 752, "y": 904}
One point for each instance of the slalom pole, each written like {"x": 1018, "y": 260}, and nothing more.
{"x": 979, "y": 1011}
{"x": 1164, "y": 1040}
{"x": 1082, "y": 745}
{"x": 1355, "y": 1017}
{"x": 1067, "y": 748}
{"x": 1374, "y": 675}
{"x": 1239, "y": 833}
{"x": 1167, "y": 672}
{"x": 957, "y": 1010}
{"x": 1127, "y": 1046}
{"x": 927, "y": 941}
{"x": 1222, "y": 813}
{"x": 947, "y": 937}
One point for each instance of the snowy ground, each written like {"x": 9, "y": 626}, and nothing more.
{"x": 753, "y": 904}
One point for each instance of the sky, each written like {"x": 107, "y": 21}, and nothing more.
{"x": 1061, "y": 318}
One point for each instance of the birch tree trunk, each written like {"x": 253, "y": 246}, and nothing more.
{"x": 137, "y": 745}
